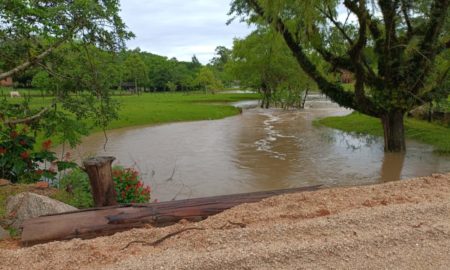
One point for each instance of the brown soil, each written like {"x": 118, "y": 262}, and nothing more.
{"x": 398, "y": 225}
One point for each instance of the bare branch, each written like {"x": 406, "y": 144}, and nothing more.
{"x": 160, "y": 240}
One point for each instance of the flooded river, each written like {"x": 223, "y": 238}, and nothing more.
{"x": 258, "y": 150}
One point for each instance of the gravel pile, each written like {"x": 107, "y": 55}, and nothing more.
{"x": 401, "y": 225}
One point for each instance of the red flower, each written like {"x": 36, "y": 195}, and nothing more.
{"x": 46, "y": 144}
{"x": 39, "y": 172}
{"x": 23, "y": 143}
{"x": 24, "y": 155}
{"x": 2, "y": 150}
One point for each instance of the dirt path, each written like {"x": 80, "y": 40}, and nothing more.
{"x": 399, "y": 225}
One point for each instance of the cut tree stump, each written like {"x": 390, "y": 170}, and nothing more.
{"x": 103, "y": 221}
{"x": 102, "y": 184}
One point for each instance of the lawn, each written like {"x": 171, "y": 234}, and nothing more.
{"x": 157, "y": 108}
{"x": 174, "y": 107}
{"x": 422, "y": 131}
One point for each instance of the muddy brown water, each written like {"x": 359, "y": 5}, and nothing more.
{"x": 258, "y": 150}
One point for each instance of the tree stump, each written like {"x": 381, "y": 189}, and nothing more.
{"x": 102, "y": 184}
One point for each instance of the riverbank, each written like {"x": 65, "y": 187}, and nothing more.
{"x": 403, "y": 224}
{"x": 422, "y": 131}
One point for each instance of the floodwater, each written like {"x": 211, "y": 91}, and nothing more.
{"x": 258, "y": 150}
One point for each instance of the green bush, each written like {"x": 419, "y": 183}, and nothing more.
{"x": 22, "y": 161}
{"x": 75, "y": 189}
{"x": 129, "y": 187}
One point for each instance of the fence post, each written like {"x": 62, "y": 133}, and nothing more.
{"x": 100, "y": 176}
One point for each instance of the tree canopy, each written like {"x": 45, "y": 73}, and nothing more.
{"x": 263, "y": 61}
{"x": 398, "y": 50}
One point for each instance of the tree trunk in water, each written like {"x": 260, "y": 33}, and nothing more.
{"x": 394, "y": 133}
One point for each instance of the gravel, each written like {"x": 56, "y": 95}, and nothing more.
{"x": 396, "y": 225}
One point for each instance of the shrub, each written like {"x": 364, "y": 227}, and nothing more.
{"x": 20, "y": 161}
{"x": 129, "y": 187}
{"x": 75, "y": 189}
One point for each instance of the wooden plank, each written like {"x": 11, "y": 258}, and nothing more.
{"x": 102, "y": 221}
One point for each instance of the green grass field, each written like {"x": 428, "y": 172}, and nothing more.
{"x": 175, "y": 107}
{"x": 429, "y": 133}
{"x": 157, "y": 108}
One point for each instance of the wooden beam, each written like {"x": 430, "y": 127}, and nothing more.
{"x": 102, "y": 221}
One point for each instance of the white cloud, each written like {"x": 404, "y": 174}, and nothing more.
{"x": 177, "y": 28}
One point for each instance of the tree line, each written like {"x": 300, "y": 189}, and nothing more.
{"x": 126, "y": 70}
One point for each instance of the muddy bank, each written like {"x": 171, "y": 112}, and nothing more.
{"x": 402, "y": 225}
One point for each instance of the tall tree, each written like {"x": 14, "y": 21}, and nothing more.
{"x": 74, "y": 42}
{"x": 263, "y": 61}
{"x": 135, "y": 69}
{"x": 207, "y": 81}
{"x": 394, "y": 48}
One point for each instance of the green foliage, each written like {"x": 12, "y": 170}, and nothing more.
{"x": 74, "y": 189}
{"x": 422, "y": 131}
{"x": 263, "y": 61}
{"x": 74, "y": 43}
{"x": 21, "y": 161}
{"x": 129, "y": 186}
{"x": 207, "y": 80}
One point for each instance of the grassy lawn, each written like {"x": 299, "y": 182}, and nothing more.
{"x": 174, "y": 107}
{"x": 430, "y": 133}
{"x": 158, "y": 108}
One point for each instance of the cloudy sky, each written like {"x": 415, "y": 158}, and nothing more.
{"x": 181, "y": 28}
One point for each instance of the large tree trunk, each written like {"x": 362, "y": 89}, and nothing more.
{"x": 394, "y": 133}
{"x": 91, "y": 223}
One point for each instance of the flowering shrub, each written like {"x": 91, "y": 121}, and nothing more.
{"x": 21, "y": 161}
{"x": 129, "y": 187}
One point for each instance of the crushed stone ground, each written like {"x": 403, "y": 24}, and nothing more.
{"x": 397, "y": 225}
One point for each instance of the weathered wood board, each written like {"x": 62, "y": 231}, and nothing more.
{"x": 96, "y": 222}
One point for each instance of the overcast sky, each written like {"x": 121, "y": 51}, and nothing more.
{"x": 181, "y": 28}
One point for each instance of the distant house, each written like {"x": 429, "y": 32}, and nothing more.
{"x": 129, "y": 86}
{"x": 8, "y": 82}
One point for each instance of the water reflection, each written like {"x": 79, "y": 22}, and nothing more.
{"x": 391, "y": 169}
{"x": 259, "y": 150}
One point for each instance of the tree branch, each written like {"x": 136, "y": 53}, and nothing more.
{"x": 407, "y": 20}
{"x": 30, "y": 119}
{"x": 329, "y": 16}
{"x": 34, "y": 60}
{"x": 429, "y": 48}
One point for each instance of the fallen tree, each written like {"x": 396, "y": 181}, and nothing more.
{"x": 103, "y": 221}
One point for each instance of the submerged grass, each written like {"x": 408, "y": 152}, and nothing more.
{"x": 429, "y": 133}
